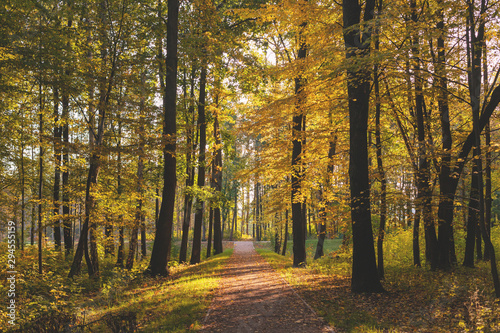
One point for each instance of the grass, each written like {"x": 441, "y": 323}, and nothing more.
{"x": 417, "y": 299}
{"x": 177, "y": 303}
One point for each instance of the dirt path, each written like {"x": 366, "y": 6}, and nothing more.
{"x": 255, "y": 298}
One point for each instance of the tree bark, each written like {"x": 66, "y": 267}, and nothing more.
{"x": 139, "y": 214}
{"x": 57, "y": 172}
{"x": 297, "y": 200}
{"x": 200, "y": 205}
{"x": 285, "y": 241}
{"x": 163, "y": 235}
{"x": 67, "y": 225}
{"x": 191, "y": 148}
{"x": 364, "y": 267}
{"x": 326, "y": 202}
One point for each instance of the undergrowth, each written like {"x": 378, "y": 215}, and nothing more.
{"x": 417, "y": 299}
{"x": 120, "y": 301}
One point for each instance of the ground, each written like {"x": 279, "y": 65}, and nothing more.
{"x": 255, "y": 298}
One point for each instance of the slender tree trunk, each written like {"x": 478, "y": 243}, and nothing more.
{"x": 163, "y": 235}
{"x": 285, "y": 242}
{"x": 298, "y": 135}
{"x": 424, "y": 196}
{"x": 475, "y": 48}
{"x": 218, "y": 184}
{"x": 23, "y": 176}
{"x": 382, "y": 178}
{"x": 487, "y": 189}
{"x": 235, "y": 213}
{"x": 57, "y": 172}
{"x": 473, "y": 219}
{"x": 40, "y": 179}
{"x": 68, "y": 238}
{"x": 191, "y": 148}
{"x": 200, "y": 206}
{"x": 210, "y": 229}
{"x": 67, "y": 225}
{"x": 326, "y": 203}
{"x": 139, "y": 214}
{"x": 488, "y": 157}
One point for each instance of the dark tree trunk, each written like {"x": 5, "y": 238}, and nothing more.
{"x": 277, "y": 243}
{"x": 121, "y": 246}
{"x": 121, "y": 238}
{"x": 257, "y": 217}
{"x": 217, "y": 181}
{"x": 40, "y": 180}
{"x": 487, "y": 189}
{"x": 163, "y": 235}
{"x": 139, "y": 214}
{"x": 210, "y": 229}
{"x": 475, "y": 53}
{"x": 57, "y": 172}
{"x": 382, "y": 178}
{"x": 67, "y": 225}
{"x": 326, "y": 203}
{"x": 200, "y": 205}
{"x": 109, "y": 245}
{"x": 488, "y": 157}
{"x": 188, "y": 196}
{"x": 364, "y": 266}
{"x": 424, "y": 195}
{"x": 235, "y": 213}
{"x": 285, "y": 241}
{"x": 472, "y": 220}
{"x": 23, "y": 204}
{"x": 298, "y": 135}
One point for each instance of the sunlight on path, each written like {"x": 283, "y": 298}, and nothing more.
{"x": 254, "y": 298}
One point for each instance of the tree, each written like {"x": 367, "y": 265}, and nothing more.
{"x": 298, "y": 140}
{"x": 163, "y": 235}
{"x": 357, "y": 43}
{"x": 200, "y": 204}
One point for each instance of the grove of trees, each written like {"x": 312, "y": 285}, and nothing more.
{"x": 128, "y": 126}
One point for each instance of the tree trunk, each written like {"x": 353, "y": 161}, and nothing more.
{"x": 475, "y": 51}
{"x": 139, "y": 214}
{"x": 163, "y": 235}
{"x": 235, "y": 213}
{"x": 364, "y": 267}
{"x": 298, "y": 135}
{"x": 285, "y": 241}
{"x": 57, "y": 172}
{"x": 200, "y": 205}
{"x": 218, "y": 186}
{"x": 473, "y": 219}
{"x": 382, "y": 177}
{"x": 40, "y": 178}
{"x": 23, "y": 176}
{"x": 188, "y": 196}
{"x": 424, "y": 195}
{"x": 326, "y": 203}
{"x": 487, "y": 194}
{"x": 210, "y": 228}
{"x": 67, "y": 225}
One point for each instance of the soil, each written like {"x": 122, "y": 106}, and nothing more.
{"x": 253, "y": 297}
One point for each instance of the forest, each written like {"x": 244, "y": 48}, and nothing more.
{"x": 357, "y": 140}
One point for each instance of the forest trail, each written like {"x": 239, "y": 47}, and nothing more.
{"x": 255, "y": 298}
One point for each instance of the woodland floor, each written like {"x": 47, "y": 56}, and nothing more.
{"x": 253, "y": 297}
